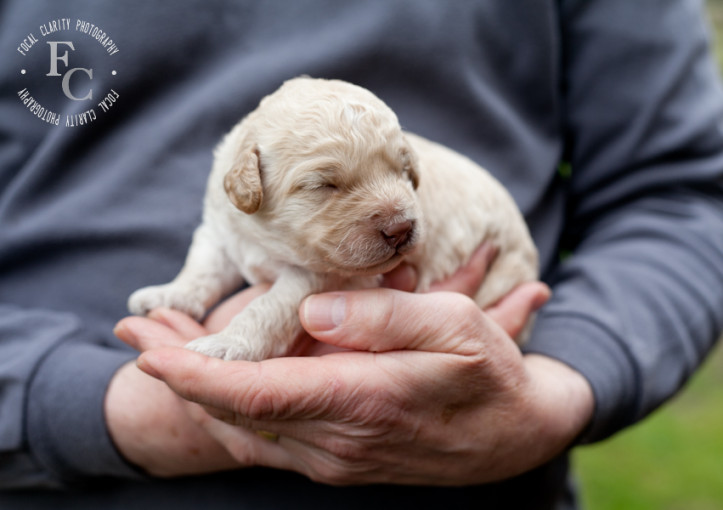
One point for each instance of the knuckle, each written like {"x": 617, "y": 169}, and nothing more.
{"x": 383, "y": 314}
{"x": 330, "y": 474}
{"x": 344, "y": 461}
{"x": 464, "y": 307}
{"x": 259, "y": 403}
{"x": 472, "y": 366}
{"x": 242, "y": 452}
{"x": 332, "y": 470}
{"x": 262, "y": 398}
{"x": 347, "y": 451}
{"x": 224, "y": 415}
{"x": 467, "y": 322}
{"x": 375, "y": 315}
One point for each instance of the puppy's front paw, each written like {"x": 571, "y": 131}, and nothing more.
{"x": 225, "y": 347}
{"x": 146, "y": 299}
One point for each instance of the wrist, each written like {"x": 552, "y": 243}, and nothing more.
{"x": 539, "y": 416}
{"x": 152, "y": 430}
{"x": 562, "y": 400}
{"x": 126, "y": 417}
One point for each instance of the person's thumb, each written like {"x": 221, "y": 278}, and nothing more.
{"x": 379, "y": 320}
{"x": 513, "y": 311}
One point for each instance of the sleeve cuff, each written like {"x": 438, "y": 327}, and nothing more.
{"x": 594, "y": 351}
{"x": 66, "y": 424}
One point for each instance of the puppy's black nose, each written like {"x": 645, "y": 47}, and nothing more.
{"x": 397, "y": 235}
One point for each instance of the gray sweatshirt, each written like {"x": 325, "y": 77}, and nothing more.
{"x": 602, "y": 117}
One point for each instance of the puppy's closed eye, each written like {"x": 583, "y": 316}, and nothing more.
{"x": 322, "y": 191}
{"x": 329, "y": 187}
{"x": 321, "y": 182}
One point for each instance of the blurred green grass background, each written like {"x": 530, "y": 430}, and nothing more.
{"x": 674, "y": 459}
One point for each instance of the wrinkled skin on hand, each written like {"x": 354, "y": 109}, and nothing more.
{"x": 428, "y": 389}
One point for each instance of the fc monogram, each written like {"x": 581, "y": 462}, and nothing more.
{"x": 54, "y": 59}
{"x": 88, "y": 87}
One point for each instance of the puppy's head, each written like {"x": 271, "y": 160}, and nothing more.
{"x": 324, "y": 168}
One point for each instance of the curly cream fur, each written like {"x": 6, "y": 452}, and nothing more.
{"x": 302, "y": 192}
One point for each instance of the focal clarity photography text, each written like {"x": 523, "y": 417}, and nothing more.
{"x": 54, "y": 44}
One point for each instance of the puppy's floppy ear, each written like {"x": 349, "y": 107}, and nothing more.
{"x": 409, "y": 165}
{"x": 243, "y": 181}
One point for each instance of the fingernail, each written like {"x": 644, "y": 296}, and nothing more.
{"x": 159, "y": 315}
{"x": 490, "y": 252}
{"x": 119, "y": 330}
{"x": 122, "y": 332}
{"x": 323, "y": 312}
{"x": 543, "y": 297}
{"x": 143, "y": 364}
{"x": 404, "y": 277}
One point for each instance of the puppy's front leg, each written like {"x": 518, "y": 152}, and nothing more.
{"x": 269, "y": 326}
{"x": 206, "y": 277}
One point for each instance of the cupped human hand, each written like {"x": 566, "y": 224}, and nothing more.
{"x": 433, "y": 391}
{"x": 154, "y": 428}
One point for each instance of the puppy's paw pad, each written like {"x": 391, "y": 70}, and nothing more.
{"x": 223, "y": 347}
{"x": 146, "y": 299}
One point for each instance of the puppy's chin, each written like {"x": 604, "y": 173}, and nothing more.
{"x": 377, "y": 268}
{"x": 360, "y": 251}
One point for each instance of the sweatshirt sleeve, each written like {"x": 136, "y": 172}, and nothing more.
{"x": 54, "y": 376}
{"x": 638, "y": 302}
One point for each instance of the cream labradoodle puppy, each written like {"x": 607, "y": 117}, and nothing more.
{"x": 319, "y": 189}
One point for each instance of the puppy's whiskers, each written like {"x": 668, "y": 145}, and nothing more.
{"x": 341, "y": 243}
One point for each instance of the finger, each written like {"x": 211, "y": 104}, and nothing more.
{"x": 305, "y": 448}
{"x": 306, "y": 399}
{"x": 385, "y": 320}
{"x": 468, "y": 279}
{"x": 276, "y": 389}
{"x": 301, "y": 427}
{"x": 246, "y": 446}
{"x": 219, "y": 318}
{"x": 262, "y": 448}
{"x": 181, "y": 323}
{"x": 142, "y": 334}
{"x": 403, "y": 277}
{"x": 514, "y": 310}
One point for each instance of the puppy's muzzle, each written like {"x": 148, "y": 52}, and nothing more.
{"x": 399, "y": 235}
